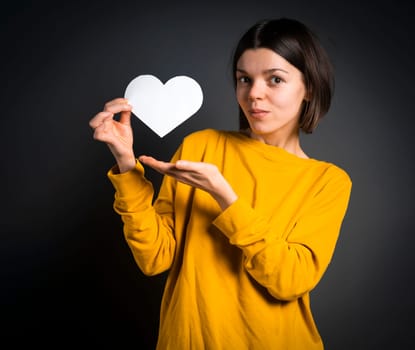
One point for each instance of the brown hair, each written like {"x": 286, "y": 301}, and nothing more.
{"x": 293, "y": 41}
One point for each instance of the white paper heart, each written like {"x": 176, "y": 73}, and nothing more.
{"x": 163, "y": 107}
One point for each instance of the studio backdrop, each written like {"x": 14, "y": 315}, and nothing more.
{"x": 67, "y": 275}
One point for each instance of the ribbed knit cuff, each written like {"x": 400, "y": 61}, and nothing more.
{"x": 236, "y": 218}
{"x": 125, "y": 182}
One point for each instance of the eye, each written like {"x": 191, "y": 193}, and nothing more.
{"x": 276, "y": 80}
{"x": 243, "y": 79}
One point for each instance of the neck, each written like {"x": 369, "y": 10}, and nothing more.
{"x": 290, "y": 143}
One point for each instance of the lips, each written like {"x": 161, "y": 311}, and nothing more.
{"x": 258, "y": 113}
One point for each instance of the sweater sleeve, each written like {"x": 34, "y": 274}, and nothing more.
{"x": 149, "y": 233}
{"x": 289, "y": 267}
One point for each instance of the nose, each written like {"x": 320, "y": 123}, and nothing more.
{"x": 257, "y": 91}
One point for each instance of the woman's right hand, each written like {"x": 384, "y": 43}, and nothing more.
{"x": 118, "y": 135}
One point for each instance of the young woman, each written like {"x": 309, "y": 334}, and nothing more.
{"x": 245, "y": 222}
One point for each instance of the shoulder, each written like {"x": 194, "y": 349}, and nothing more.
{"x": 338, "y": 172}
{"x": 204, "y": 145}
{"x": 335, "y": 176}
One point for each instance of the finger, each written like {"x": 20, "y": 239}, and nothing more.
{"x": 117, "y": 108}
{"x": 158, "y": 165}
{"x": 118, "y": 100}
{"x": 190, "y": 166}
{"x": 150, "y": 161}
{"x": 169, "y": 169}
{"x": 99, "y": 119}
{"x": 125, "y": 118}
{"x": 100, "y": 133}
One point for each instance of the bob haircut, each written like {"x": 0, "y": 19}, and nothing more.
{"x": 293, "y": 41}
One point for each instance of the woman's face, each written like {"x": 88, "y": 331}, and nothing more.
{"x": 270, "y": 92}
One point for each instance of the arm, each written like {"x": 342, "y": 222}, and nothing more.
{"x": 289, "y": 267}
{"x": 148, "y": 233}
{"x": 204, "y": 176}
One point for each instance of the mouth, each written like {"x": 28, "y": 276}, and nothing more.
{"x": 258, "y": 113}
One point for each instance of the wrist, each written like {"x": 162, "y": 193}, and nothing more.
{"x": 225, "y": 196}
{"x": 125, "y": 160}
{"x": 126, "y": 163}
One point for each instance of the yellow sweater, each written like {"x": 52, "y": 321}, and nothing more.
{"x": 239, "y": 278}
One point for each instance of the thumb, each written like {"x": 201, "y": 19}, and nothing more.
{"x": 125, "y": 118}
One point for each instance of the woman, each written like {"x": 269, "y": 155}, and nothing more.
{"x": 245, "y": 222}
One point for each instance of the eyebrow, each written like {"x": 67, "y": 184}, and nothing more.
{"x": 267, "y": 71}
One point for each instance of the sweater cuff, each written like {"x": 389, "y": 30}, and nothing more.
{"x": 236, "y": 218}
{"x": 124, "y": 182}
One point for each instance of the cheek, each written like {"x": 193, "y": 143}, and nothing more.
{"x": 288, "y": 99}
{"x": 280, "y": 100}
{"x": 240, "y": 96}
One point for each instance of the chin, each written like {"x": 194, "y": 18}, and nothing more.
{"x": 261, "y": 129}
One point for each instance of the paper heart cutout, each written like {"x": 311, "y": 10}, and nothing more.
{"x": 163, "y": 107}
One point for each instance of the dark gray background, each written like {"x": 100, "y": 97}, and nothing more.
{"x": 67, "y": 276}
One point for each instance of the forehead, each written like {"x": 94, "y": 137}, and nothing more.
{"x": 253, "y": 60}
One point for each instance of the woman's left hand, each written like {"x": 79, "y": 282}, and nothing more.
{"x": 204, "y": 176}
